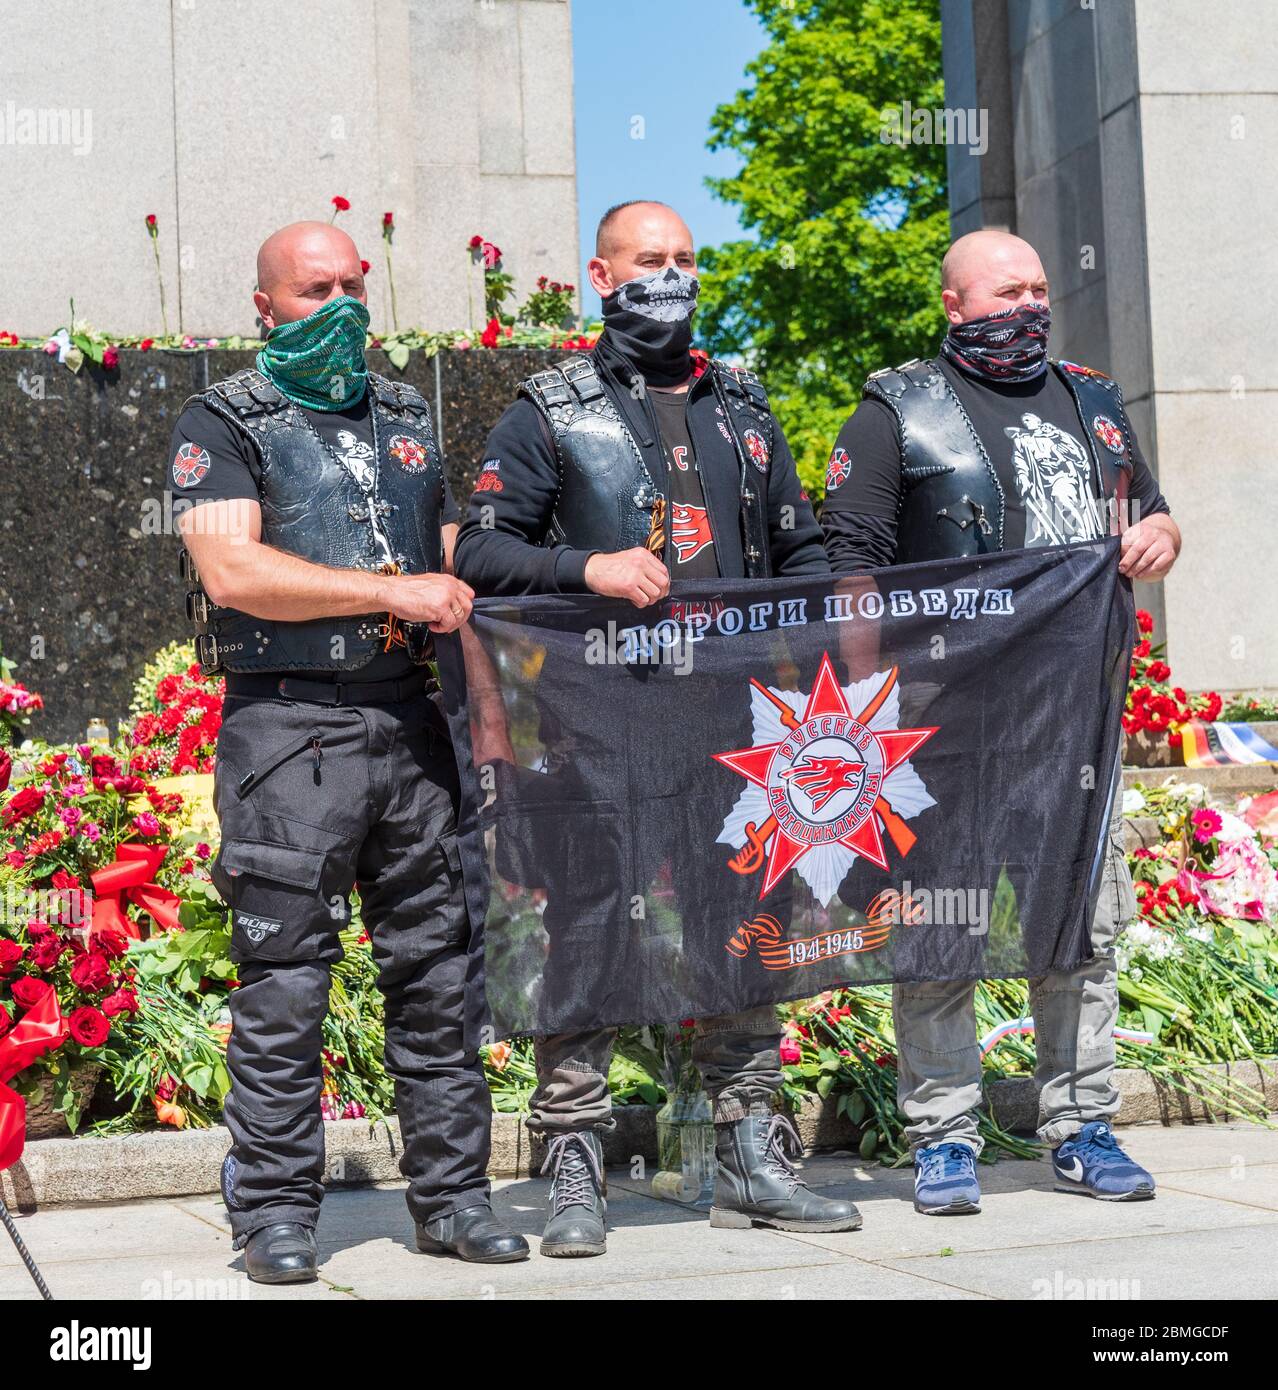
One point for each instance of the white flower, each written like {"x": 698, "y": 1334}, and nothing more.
{"x": 1133, "y": 801}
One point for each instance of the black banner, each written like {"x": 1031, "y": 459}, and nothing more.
{"x": 760, "y": 790}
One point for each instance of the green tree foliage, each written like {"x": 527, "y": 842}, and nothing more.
{"x": 842, "y": 275}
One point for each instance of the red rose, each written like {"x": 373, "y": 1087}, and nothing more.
{"x": 111, "y": 358}
{"x": 104, "y": 766}
{"x": 28, "y": 991}
{"x": 150, "y": 220}
{"x": 90, "y": 1027}
{"x": 112, "y": 943}
{"x": 91, "y": 972}
{"x": 6, "y": 770}
{"x": 10, "y": 955}
{"x": 475, "y": 241}
{"x": 146, "y": 344}
{"x": 123, "y": 1001}
{"x": 47, "y": 951}
{"x": 341, "y": 204}
{"x": 21, "y": 804}
{"x": 388, "y": 219}
{"x": 6, "y": 1020}
{"x": 62, "y": 880}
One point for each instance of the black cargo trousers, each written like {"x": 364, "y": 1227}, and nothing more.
{"x": 313, "y": 798}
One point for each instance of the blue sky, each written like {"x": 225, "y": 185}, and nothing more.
{"x": 671, "y": 67}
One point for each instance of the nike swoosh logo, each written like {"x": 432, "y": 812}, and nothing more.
{"x": 1074, "y": 1171}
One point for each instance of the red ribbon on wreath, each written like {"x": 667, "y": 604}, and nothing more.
{"x": 41, "y": 1029}
{"x": 129, "y": 879}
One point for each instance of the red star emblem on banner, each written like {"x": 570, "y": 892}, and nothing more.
{"x": 823, "y": 781}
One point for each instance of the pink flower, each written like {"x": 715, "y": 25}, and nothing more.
{"x": 1207, "y": 824}
{"x": 202, "y": 851}
{"x": 146, "y": 824}
{"x": 791, "y": 1053}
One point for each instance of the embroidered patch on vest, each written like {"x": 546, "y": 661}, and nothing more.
{"x": 410, "y": 452}
{"x": 838, "y": 469}
{"x": 757, "y": 449}
{"x": 1109, "y": 434}
{"x": 488, "y": 479}
{"x": 190, "y": 464}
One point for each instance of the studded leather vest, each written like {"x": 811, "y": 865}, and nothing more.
{"x": 314, "y": 507}
{"x": 606, "y": 490}
{"x": 952, "y": 501}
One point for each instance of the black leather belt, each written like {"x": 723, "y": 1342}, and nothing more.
{"x": 263, "y": 687}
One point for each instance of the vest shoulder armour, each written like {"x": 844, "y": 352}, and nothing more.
{"x": 606, "y": 494}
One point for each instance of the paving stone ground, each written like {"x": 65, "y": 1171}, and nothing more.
{"x": 1210, "y": 1234}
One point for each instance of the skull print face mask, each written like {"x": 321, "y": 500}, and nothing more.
{"x": 649, "y": 322}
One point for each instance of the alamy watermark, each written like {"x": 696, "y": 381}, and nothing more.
{"x": 69, "y": 126}
{"x": 907, "y": 124}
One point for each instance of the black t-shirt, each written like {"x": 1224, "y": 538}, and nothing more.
{"x": 213, "y": 461}
{"x": 692, "y": 543}
{"x": 1033, "y": 436}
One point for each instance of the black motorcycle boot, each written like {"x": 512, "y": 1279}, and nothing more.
{"x": 473, "y": 1234}
{"x": 281, "y": 1254}
{"x": 755, "y": 1182}
{"x": 578, "y": 1195}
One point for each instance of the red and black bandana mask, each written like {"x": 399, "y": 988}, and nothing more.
{"x": 1010, "y": 345}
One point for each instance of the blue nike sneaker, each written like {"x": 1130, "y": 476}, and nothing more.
{"x": 945, "y": 1181}
{"x": 1091, "y": 1162}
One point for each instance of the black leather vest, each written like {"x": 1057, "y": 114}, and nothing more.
{"x": 314, "y": 507}
{"x": 952, "y": 501}
{"x": 606, "y": 489}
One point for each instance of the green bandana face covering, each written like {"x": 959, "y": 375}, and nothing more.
{"x": 318, "y": 361}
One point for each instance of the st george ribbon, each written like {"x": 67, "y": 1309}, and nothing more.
{"x": 758, "y": 790}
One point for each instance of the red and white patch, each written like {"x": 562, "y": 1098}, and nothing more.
{"x": 190, "y": 464}
{"x": 758, "y": 450}
{"x": 689, "y": 530}
{"x": 838, "y": 470}
{"x": 1109, "y": 434}
{"x": 410, "y": 452}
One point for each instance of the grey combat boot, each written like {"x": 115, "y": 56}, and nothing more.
{"x": 578, "y": 1191}
{"x": 756, "y": 1182}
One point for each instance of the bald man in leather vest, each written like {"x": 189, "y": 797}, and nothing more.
{"x": 991, "y": 445}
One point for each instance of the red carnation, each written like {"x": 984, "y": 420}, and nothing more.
{"x": 91, "y": 972}
{"x": 475, "y": 241}
{"x": 90, "y": 1027}
{"x": 1143, "y": 621}
{"x": 6, "y": 770}
{"x": 146, "y": 344}
{"x": 123, "y": 1001}
{"x": 489, "y": 336}
{"x": 365, "y": 267}
{"x": 28, "y": 991}
{"x": 341, "y": 204}
{"x": 21, "y": 804}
